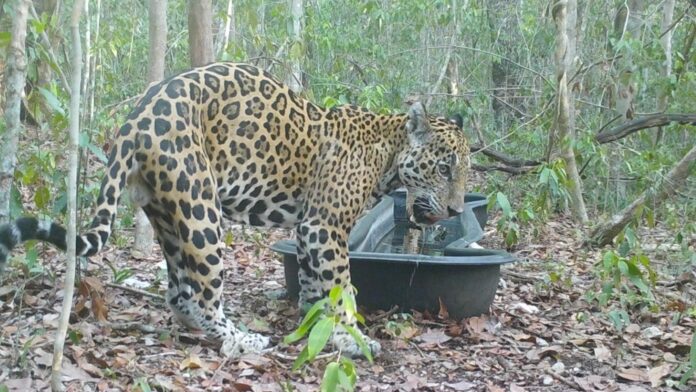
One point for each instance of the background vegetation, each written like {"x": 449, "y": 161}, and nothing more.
{"x": 493, "y": 62}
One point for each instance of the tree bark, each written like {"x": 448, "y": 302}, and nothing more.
{"x": 200, "y": 23}
{"x": 294, "y": 80}
{"x": 15, "y": 78}
{"x": 157, "y": 15}
{"x": 69, "y": 284}
{"x": 605, "y": 233}
{"x": 565, "y": 15}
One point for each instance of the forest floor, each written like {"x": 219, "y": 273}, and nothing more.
{"x": 542, "y": 332}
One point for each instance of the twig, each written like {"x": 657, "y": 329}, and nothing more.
{"x": 117, "y": 105}
{"x": 136, "y": 291}
{"x": 443, "y": 72}
{"x": 222, "y": 365}
{"x": 386, "y": 314}
{"x": 564, "y": 380}
{"x": 417, "y": 348}
{"x": 292, "y": 358}
{"x": 507, "y": 169}
{"x": 149, "y": 329}
{"x": 136, "y": 325}
{"x": 164, "y": 354}
{"x": 518, "y": 277}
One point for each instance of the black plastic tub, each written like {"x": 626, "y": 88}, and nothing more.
{"x": 447, "y": 271}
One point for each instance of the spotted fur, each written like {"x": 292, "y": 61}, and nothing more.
{"x": 229, "y": 141}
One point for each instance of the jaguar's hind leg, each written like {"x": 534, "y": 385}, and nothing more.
{"x": 188, "y": 227}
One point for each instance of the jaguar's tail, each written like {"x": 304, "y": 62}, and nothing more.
{"x": 89, "y": 243}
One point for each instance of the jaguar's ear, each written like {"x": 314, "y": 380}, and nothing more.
{"x": 417, "y": 126}
{"x": 457, "y": 120}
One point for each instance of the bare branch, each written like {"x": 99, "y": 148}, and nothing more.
{"x": 605, "y": 232}
{"x": 502, "y": 157}
{"x": 656, "y": 120}
{"x": 507, "y": 169}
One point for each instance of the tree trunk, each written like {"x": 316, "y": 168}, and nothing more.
{"x": 605, "y": 233}
{"x": 157, "y": 14}
{"x": 666, "y": 71}
{"x": 505, "y": 37}
{"x": 69, "y": 284}
{"x": 15, "y": 78}
{"x": 200, "y": 23}
{"x": 565, "y": 15}
{"x": 294, "y": 80}
{"x": 228, "y": 32}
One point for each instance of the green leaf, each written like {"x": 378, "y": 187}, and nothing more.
{"x": 330, "y": 381}
{"x": 623, "y": 268}
{"x": 42, "y": 197}
{"x": 16, "y": 205}
{"x": 350, "y": 307}
{"x": 504, "y": 204}
{"x": 98, "y": 152}
{"x": 319, "y": 336}
{"x": 75, "y": 337}
{"x": 360, "y": 341}
{"x": 335, "y": 295}
{"x": 4, "y": 388}
{"x": 5, "y": 38}
{"x": 301, "y": 359}
{"x": 348, "y": 376}
{"x": 619, "y": 318}
{"x": 144, "y": 385}
{"x": 692, "y": 353}
{"x": 52, "y": 101}
{"x": 309, "y": 320}
{"x": 296, "y": 50}
{"x": 544, "y": 175}
{"x": 687, "y": 375}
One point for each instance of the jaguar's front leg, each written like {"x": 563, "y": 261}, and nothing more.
{"x": 322, "y": 252}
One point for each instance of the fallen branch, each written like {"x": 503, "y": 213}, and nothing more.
{"x": 136, "y": 291}
{"x": 604, "y": 233}
{"x": 652, "y": 121}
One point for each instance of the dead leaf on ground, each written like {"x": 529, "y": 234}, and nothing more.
{"x": 475, "y": 325}
{"x": 191, "y": 362}
{"x": 602, "y": 353}
{"x": 19, "y": 384}
{"x": 461, "y": 386}
{"x": 433, "y": 337}
{"x": 656, "y": 374}
{"x": 633, "y": 374}
{"x": 71, "y": 372}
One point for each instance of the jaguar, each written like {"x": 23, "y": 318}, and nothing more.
{"x": 228, "y": 141}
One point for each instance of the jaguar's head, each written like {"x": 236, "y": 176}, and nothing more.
{"x": 434, "y": 166}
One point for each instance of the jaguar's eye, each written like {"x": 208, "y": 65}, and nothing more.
{"x": 444, "y": 170}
